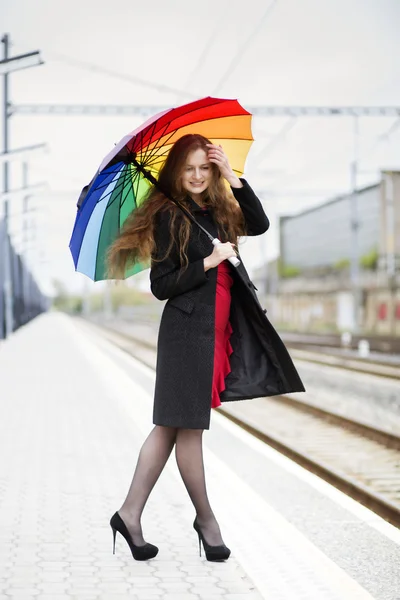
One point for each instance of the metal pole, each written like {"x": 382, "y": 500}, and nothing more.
{"x": 25, "y": 273}
{"x": 390, "y": 224}
{"x": 354, "y": 223}
{"x": 6, "y": 251}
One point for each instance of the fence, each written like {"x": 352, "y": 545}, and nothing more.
{"x": 28, "y": 301}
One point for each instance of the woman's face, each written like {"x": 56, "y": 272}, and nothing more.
{"x": 197, "y": 172}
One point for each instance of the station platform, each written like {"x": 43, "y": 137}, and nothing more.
{"x": 74, "y": 412}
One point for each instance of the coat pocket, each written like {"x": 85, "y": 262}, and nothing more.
{"x": 183, "y": 302}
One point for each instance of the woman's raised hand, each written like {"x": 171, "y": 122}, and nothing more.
{"x": 221, "y": 252}
{"x": 217, "y": 155}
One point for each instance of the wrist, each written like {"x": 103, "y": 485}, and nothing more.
{"x": 234, "y": 181}
{"x": 206, "y": 263}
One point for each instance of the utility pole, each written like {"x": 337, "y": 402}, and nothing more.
{"x": 25, "y": 216}
{"x": 390, "y": 225}
{"x": 7, "y": 65}
{"x": 6, "y": 250}
{"x": 354, "y": 227}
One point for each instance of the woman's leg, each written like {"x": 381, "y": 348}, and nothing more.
{"x": 152, "y": 458}
{"x": 189, "y": 457}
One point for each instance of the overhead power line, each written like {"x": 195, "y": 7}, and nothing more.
{"x": 95, "y": 68}
{"x": 243, "y": 47}
{"x": 207, "y": 47}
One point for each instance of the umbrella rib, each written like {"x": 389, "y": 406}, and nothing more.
{"x": 128, "y": 189}
{"x": 107, "y": 196}
{"x": 143, "y": 154}
{"x": 122, "y": 186}
{"x": 136, "y": 179}
{"x": 150, "y": 153}
{"x": 104, "y": 185}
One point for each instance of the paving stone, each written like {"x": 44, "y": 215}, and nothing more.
{"x": 148, "y": 592}
{"x": 83, "y": 580}
{"x": 21, "y": 591}
{"x": 211, "y": 590}
{"x": 55, "y": 576}
{"x": 167, "y": 574}
{"x": 145, "y": 580}
{"x": 50, "y": 564}
{"x": 201, "y": 579}
{"x": 175, "y": 585}
{"x": 112, "y": 596}
{"x": 21, "y": 596}
{"x": 83, "y": 571}
{"x": 237, "y": 597}
{"x": 78, "y": 592}
{"x": 178, "y": 596}
{"x": 53, "y": 597}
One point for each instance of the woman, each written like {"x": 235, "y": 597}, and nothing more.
{"x": 215, "y": 342}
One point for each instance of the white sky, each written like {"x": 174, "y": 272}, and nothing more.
{"x": 304, "y": 52}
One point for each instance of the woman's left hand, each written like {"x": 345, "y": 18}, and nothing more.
{"x": 218, "y": 156}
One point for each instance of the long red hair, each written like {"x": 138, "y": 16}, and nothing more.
{"x": 135, "y": 242}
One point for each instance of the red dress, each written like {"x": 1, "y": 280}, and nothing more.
{"x": 223, "y": 331}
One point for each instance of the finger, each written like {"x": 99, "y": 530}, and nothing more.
{"x": 217, "y": 151}
{"x": 216, "y": 156}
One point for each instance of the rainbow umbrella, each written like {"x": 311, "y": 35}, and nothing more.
{"x": 126, "y": 173}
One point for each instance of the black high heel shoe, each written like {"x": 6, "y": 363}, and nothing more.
{"x": 138, "y": 552}
{"x": 213, "y": 553}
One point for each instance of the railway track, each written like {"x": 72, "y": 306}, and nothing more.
{"x": 324, "y": 356}
{"x": 361, "y": 460}
{"x": 309, "y": 348}
{"x": 384, "y": 344}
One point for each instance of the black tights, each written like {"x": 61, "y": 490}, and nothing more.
{"x": 152, "y": 459}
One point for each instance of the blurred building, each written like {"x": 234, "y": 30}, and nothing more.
{"x": 309, "y": 285}
{"x": 321, "y": 236}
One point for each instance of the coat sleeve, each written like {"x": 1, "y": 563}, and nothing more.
{"x": 257, "y": 221}
{"x": 167, "y": 277}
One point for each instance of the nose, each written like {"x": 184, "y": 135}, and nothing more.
{"x": 197, "y": 174}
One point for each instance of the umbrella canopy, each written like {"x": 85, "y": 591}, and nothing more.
{"x": 129, "y": 170}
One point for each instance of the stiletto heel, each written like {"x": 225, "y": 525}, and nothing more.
{"x": 213, "y": 553}
{"x": 199, "y": 544}
{"x": 138, "y": 552}
{"x": 114, "y": 535}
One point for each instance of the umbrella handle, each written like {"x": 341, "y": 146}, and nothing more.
{"x": 233, "y": 259}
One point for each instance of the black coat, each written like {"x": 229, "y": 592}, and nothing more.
{"x": 260, "y": 363}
